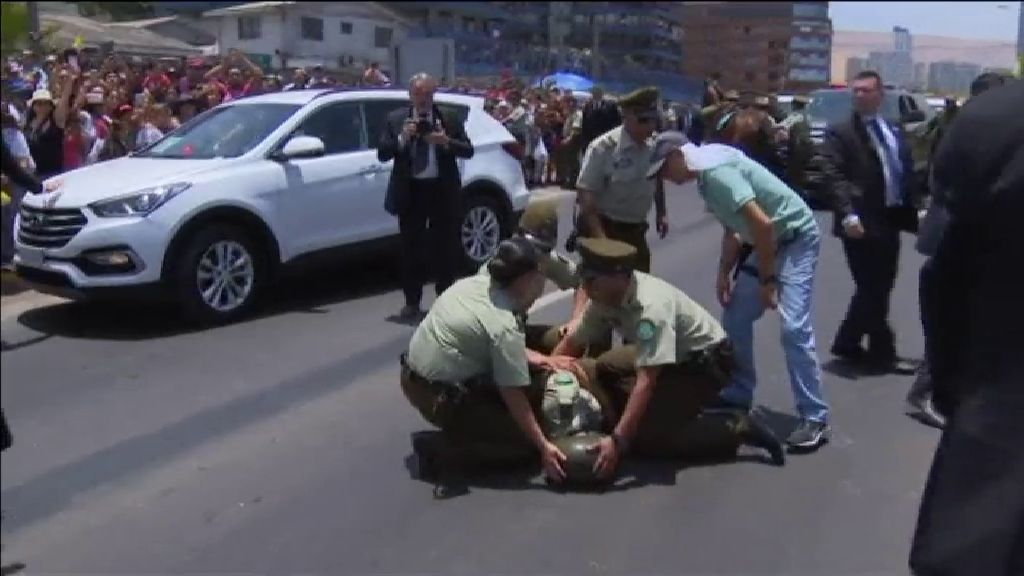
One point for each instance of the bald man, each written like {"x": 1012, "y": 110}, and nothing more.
{"x": 423, "y": 192}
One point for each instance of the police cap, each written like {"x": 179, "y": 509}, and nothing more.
{"x": 540, "y": 222}
{"x": 603, "y": 256}
{"x": 641, "y": 100}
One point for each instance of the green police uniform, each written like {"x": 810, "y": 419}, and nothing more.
{"x": 799, "y": 148}
{"x": 540, "y": 223}
{"x": 614, "y": 170}
{"x": 470, "y": 343}
{"x": 671, "y": 332}
{"x": 686, "y": 343}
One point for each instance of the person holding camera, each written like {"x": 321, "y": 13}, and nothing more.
{"x": 424, "y": 188}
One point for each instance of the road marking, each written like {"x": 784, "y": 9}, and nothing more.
{"x": 551, "y": 193}
{"x": 14, "y": 306}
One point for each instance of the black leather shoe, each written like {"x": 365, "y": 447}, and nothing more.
{"x": 851, "y": 353}
{"x": 892, "y": 366}
{"x": 760, "y": 436}
{"x": 922, "y": 410}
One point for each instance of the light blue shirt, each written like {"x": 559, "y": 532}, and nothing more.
{"x": 727, "y": 188}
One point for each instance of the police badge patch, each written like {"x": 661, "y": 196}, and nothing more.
{"x": 645, "y": 330}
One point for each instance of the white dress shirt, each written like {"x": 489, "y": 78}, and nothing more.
{"x": 431, "y": 170}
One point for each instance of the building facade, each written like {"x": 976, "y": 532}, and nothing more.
{"x": 855, "y": 65}
{"x": 760, "y": 46}
{"x": 618, "y": 44}
{"x": 344, "y": 36}
{"x": 952, "y": 78}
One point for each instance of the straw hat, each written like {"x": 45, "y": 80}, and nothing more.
{"x": 41, "y": 96}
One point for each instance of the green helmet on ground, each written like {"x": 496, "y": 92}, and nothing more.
{"x": 580, "y": 456}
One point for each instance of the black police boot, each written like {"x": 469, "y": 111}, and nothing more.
{"x": 436, "y": 461}
{"x": 756, "y": 434}
{"x": 426, "y": 455}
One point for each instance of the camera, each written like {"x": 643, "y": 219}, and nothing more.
{"x": 424, "y": 126}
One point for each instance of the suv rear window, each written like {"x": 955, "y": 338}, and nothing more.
{"x": 831, "y": 106}
{"x": 377, "y": 111}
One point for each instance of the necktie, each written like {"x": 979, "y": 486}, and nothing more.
{"x": 420, "y": 155}
{"x": 895, "y": 176}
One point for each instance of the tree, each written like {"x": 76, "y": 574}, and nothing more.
{"x": 118, "y": 11}
{"x": 14, "y": 25}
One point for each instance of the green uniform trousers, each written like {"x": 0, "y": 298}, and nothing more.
{"x": 673, "y": 425}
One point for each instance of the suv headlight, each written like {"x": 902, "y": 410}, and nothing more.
{"x": 140, "y": 203}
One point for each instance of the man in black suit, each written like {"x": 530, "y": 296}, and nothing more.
{"x": 424, "y": 190}
{"x": 869, "y": 171}
{"x": 972, "y": 510}
{"x": 599, "y": 116}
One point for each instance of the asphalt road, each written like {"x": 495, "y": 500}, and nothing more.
{"x": 279, "y": 446}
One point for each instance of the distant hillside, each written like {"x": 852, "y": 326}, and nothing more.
{"x": 987, "y": 53}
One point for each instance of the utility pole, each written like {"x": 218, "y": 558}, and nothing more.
{"x": 34, "y": 39}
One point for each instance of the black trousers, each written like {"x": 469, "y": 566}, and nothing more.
{"x": 430, "y": 235}
{"x": 971, "y": 520}
{"x": 923, "y": 384}
{"x": 873, "y": 262}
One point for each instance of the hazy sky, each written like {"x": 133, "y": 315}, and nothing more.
{"x": 984, "y": 20}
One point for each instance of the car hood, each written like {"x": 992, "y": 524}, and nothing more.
{"x": 114, "y": 178}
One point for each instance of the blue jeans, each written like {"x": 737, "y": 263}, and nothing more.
{"x": 796, "y": 264}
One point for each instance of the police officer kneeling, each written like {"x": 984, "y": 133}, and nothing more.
{"x": 467, "y": 371}
{"x": 681, "y": 357}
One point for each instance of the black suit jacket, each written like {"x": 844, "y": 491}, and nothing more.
{"x": 977, "y": 301}
{"x": 855, "y": 181}
{"x": 598, "y": 118}
{"x": 397, "y": 200}
{"x": 18, "y": 175}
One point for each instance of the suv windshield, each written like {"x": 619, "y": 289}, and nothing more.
{"x": 831, "y": 106}
{"x": 224, "y": 132}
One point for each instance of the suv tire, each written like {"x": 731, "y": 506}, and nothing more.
{"x": 483, "y": 225}
{"x": 219, "y": 275}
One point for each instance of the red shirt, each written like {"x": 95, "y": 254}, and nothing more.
{"x": 74, "y": 152}
{"x": 154, "y": 80}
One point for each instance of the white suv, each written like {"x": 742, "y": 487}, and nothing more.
{"x": 209, "y": 213}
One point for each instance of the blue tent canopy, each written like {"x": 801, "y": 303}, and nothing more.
{"x": 565, "y": 80}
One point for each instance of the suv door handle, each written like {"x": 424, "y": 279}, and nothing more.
{"x": 371, "y": 169}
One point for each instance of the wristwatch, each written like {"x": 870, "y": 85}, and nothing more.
{"x": 773, "y": 279}
{"x": 621, "y": 444}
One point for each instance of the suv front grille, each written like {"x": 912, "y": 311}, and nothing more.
{"x": 49, "y": 227}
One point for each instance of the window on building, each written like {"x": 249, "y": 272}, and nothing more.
{"x": 750, "y": 76}
{"x": 346, "y": 27}
{"x": 773, "y": 76}
{"x": 771, "y": 44}
{"x": 746, "y": 30}
{"x": 382, "y": 37}
{"x": 249, "y": 27}
{"x": 312, "y": 29}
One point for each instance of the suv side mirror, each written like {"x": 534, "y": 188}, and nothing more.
{"x": 911, "y": 116}
{"x": 301, "y": 147}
